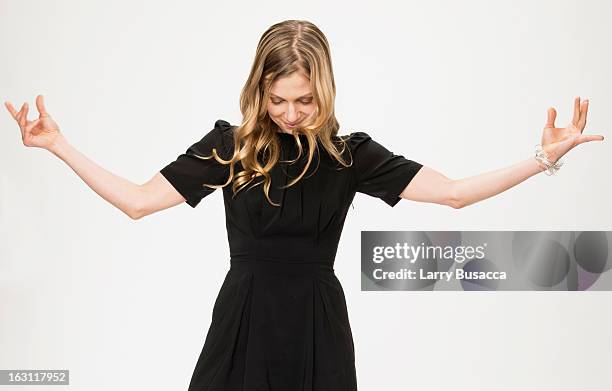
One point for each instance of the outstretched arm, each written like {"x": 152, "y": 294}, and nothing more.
{"x": 134, "y": 200}
{"x": 429, "y": 185}
{"x": 118, "y": 191}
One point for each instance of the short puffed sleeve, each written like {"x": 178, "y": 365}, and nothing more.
{"x": 188, "y": 173}
{"x": 379, "y": 172}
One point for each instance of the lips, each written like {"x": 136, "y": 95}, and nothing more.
{"x": 291, "y": 125}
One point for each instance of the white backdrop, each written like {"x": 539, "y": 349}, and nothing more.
{"x": 462, "y": 87}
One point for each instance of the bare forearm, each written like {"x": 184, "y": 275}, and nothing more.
{"x": 120, "y": 192}
{"x": 480, "y": 187}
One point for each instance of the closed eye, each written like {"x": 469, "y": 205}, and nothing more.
{"x": 304, "y": 102}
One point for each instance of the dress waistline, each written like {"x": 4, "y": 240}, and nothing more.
{"x": 282, "y": 265}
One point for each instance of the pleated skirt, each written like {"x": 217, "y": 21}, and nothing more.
{"x": 278, "y": 326}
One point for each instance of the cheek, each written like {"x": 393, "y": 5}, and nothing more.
{"x": 274, "y": 110}
{"x": 309, "y": 109}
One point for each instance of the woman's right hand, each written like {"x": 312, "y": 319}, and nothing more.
{"x": 41, "y": 132}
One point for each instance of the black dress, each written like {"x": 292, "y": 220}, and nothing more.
{"x": 280, "y": 321}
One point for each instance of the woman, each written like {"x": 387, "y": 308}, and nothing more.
{"x": 280, "y": 320}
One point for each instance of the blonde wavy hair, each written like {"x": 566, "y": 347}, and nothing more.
{"x": 284, "y": 48}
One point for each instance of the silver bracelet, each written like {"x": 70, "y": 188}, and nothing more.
{"x": 542, "y": 158}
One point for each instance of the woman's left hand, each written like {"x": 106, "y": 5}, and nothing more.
{"x": 556, "y": 142}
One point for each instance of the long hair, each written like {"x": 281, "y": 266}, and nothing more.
{"x": 284, "y": 48}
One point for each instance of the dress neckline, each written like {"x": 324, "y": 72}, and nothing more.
{"x": 285, "y": 133}
{"x": 289, "y": 135}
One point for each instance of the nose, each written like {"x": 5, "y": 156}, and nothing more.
{"x": 292, "y": 114}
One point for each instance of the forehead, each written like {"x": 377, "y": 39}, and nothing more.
{"x": 290, "y": 87}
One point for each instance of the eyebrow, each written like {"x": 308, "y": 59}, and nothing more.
{"x": 308, "y": 95}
